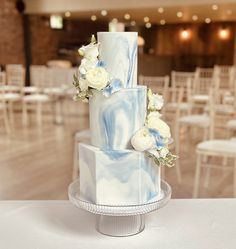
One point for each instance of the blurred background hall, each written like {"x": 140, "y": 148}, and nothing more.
{"x": 187, "y": 53}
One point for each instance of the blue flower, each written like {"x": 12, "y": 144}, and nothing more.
{"x": 158, "y": 138}
{"x": 101, "y": 64}
{"x": 114, "y": 86}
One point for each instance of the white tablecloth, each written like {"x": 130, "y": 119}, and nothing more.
{"x": 182, "y": 224}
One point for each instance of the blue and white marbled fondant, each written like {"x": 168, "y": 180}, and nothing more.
{"x": 114, "y": 119}
{"x": 119, "y": 52}
{"x": 124, "y": 177}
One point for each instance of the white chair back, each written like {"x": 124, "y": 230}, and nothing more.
{"x": 202, "y": 85}
{"x": 157, "y": 84}
{"x": 171, "y": 110}
{"x": 38, "y": 75}
{"x": 15, "y": 75}
{"x": 202, "y": 72}
{"x": 181, "y": 79}
{"x": 2, "y": 78}
{"x": 222, "y": 69}
{"x": 220, "y": 112}
{"x": 59, "y": 64}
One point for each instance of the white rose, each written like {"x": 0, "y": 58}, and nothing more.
{"x": 163, "y": 152}
{"x": 142, "y": 140}
{"x": 90, "y": 51}
{"x": 97, "y": 78}
{"x": 87, "y": 64}
{"x": 83, "y": 84}
{"x": 155, "y": 101}
{"x": 156, "y": 123}
{"x": 154, "y": 115}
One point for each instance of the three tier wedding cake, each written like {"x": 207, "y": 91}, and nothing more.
{"x": 129, "y": 140}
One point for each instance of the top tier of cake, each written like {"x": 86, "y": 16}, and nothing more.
{"x": 114, "y": 119}
{"x": 119, "y": 51}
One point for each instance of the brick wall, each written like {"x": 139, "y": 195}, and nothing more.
{"x": 11, "y": 34}
{"x": 46, "y": 42}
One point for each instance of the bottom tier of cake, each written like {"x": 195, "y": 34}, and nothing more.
{"x": 124, "y": 177}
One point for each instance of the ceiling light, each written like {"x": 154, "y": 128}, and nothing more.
{"x": 185, "y": 34}
{"x": 93, "y": 18}
{"x": 146, "y": 19}
{"x": 194, "y": 17}
{"x": 207, "y": 20}
{"x": 160, "y": 10}
{"x": 114, "y": 20}
{"x": 132, "y": 23}
{"x": 127, "y": 16}
{"x": 141, "y": 41}
{"x": 179, "y": 14}
{"x": 223, "y": 34}
{"x": 104, "y": 12}
{"x": 148, "y": 25}
{"x": 67, "y": 14}
{"x": 162, "y": 22}
{"x": 215, "y": 7}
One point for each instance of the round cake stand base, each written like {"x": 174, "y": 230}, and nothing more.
{"x": 120, "y": 226}
{"x": 119, "y": 220}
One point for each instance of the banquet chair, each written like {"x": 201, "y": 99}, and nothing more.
{"x": 171, "y": 109}
{"x": 192, "y": 121}
{"x": 59, "y": 82}
{"x": 2, "y": 81}
{"x": 184, "y": 80}
{"x": 231, "y": 124}
{"x": 59, "y": 64}
{"x": 222, "y": 69}
{"x": 171, "y": 113}
{"x": 201, "y": 89}
{"x": 204, "y": 72}
{"x": 34, "y": 99}
{"x": 157, "y": 84}
{"x": 3, "y": 104}
{"x": 79, "y": 137}
{"x": 37, "y": 78}
{"x": 15, "y": 76}
{"x": 226, "y": 76}
{"x": 230, "y": 88}
{"x": 214, "y": 147}
{"x": 181, "y": 79}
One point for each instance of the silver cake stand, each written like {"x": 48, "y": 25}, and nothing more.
{"x": 119, "y": 221}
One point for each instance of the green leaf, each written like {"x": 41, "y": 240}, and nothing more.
{"x": 168, "y": 161}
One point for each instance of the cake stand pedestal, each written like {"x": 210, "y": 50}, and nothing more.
{"x": 119, "y": 221}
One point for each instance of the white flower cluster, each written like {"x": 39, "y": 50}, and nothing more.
{"x": 155, "y": 135}
{"x": 92, "y": 74}
{"x": 155, "y": 102}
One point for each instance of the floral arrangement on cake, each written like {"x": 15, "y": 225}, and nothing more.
{"x": 155, "y": 136}
{"x": 92, "y": 74}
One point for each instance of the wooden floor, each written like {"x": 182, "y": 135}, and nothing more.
{"x": 36, "y": 163}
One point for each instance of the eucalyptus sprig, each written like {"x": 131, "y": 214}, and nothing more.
{"x": 167, "y": 161}
{"x": 81, "y": 95}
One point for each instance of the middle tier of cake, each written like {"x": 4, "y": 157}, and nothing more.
{"x": 115, "y": 119}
